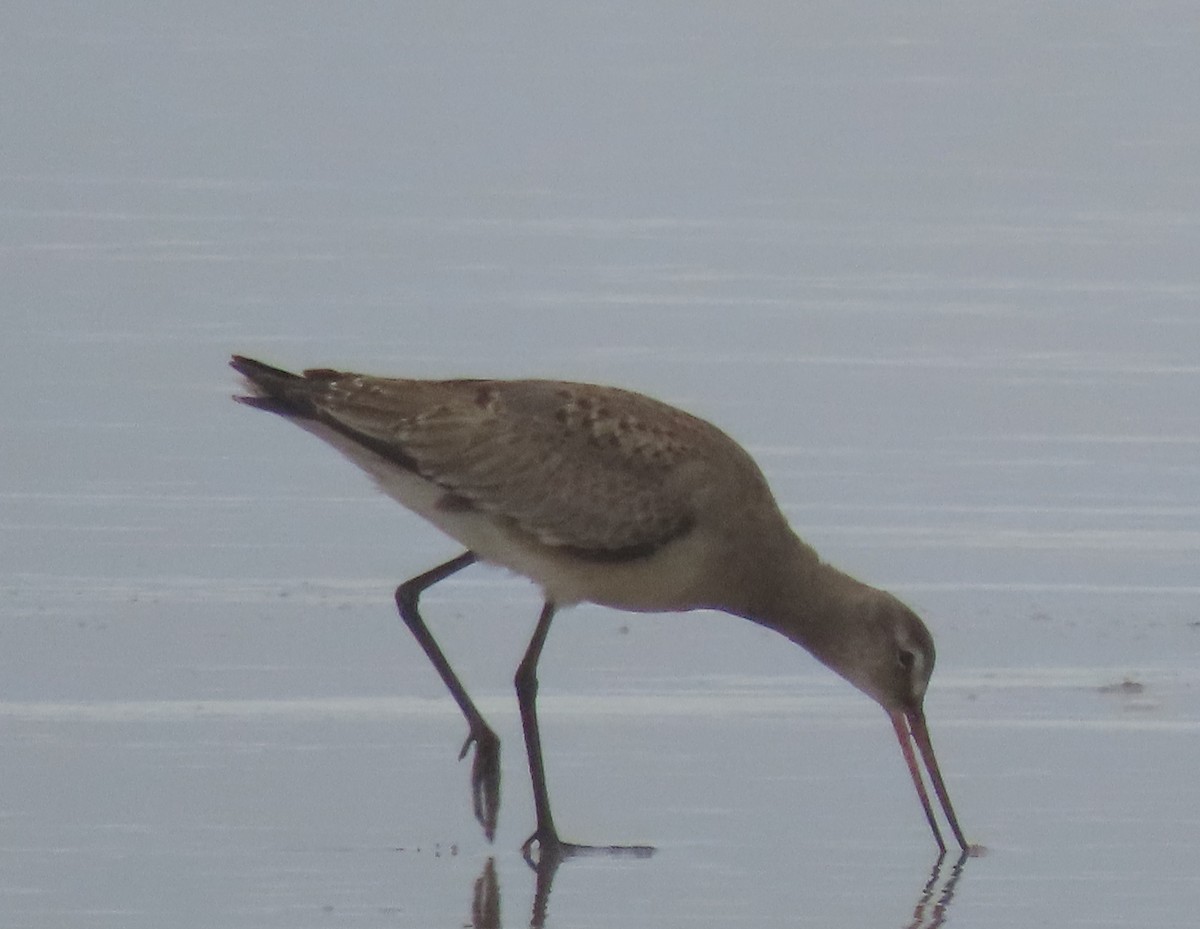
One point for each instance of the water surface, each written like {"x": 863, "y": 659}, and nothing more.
{"x": 935, "y": 267}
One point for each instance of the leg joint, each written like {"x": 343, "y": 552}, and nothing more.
{"x": 407, "y": 595}
{"x": 525, "y": 679}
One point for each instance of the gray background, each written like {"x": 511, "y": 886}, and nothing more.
{"x": 934, "y": 264}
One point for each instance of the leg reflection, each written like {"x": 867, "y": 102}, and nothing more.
{"x": 485, "y": 903}
{"x": 545, "y": 866}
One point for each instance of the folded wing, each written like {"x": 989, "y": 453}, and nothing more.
{"x": 584, "y": 468}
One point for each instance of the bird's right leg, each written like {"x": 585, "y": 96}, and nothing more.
{"x": 485, "y": 770}
{"x": 551, "y": 850}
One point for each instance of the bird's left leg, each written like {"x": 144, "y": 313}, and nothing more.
{"x": 485, "y": 771}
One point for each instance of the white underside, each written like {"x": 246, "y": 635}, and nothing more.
{"x": 666, "y": 580}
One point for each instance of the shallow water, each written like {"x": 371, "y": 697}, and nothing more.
{"x": 934, "y": 267}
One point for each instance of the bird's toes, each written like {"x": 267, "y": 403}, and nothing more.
{"x": 485, "y": 778}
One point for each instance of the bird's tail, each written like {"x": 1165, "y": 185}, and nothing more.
{"x": 273, "y": 389}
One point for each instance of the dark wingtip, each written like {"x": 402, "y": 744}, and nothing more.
{"x": 274, "y": 388}
{"x": 257, "y": 372}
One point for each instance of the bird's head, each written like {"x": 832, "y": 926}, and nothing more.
{"x": 882, "y": 647}
{"x": 889, "y": 655}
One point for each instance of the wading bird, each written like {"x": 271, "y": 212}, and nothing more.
{"x": 610, "y": 497}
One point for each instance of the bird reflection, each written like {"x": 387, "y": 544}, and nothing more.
{"x": 485, "y": 892}
{"x": 545, "y": 866}
{"x": 931, "y": 910}
{"x": 932, "y": 907}
{"x": 485, "y": 902}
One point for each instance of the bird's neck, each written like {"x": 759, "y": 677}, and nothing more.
{"x": 810, "y": 602}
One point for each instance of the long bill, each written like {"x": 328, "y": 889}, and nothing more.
{"x": 910, "y": 728}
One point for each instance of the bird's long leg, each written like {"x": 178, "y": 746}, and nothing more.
{"x": 546, "y": 836}
{"x": 485, "y": 769}
{"x": 551, "y": 850}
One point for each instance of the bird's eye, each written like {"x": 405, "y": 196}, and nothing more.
{"x": 907, "y": 659}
